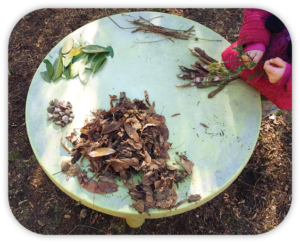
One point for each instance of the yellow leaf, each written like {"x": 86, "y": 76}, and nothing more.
{"x": 75, "y": 51}
{"x": 101, "y": 152}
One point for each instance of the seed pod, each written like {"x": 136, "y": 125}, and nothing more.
{"x": 49, "y": 116}
{"x": 58, "y": 122}
{"x": 65, "y": 119}
{"x": 61, "y": 113}
{"x": 50, "y": 109}
{"x": 57, "y": 110}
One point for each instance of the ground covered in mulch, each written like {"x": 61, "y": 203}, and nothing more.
{"x": 256, "y": 202}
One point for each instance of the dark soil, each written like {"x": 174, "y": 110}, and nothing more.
{"x": 257, "y": 201}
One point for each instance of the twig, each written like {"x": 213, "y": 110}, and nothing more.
{"x": 250, "y": 185}
{"x": 119, "y": 25}
{"x": 82, "y": 226}
{"x": 65, "y": 146}
{"x": 179, "y": 145}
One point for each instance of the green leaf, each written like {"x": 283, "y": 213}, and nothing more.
{"x": 93, "y": 49}
{"x": 45, "y": 76}
{"x": 78, "y": 57}
{"x": 67, "y": 72}
{"x": 49, "y": 68}
{"x": 83, "y": 73}
{"x": 97, "y": 61}
{"x": 67, "y": 46}
{"x": 67, "y": 60}
{"x": 58, "y": 67}
{"x": 75, "y": 66}
{"x": 110, "y": 51}
{"x": 82, "y": 41}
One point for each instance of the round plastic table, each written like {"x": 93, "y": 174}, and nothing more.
{"x": 145, "y": 61}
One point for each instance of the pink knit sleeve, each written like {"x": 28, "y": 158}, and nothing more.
{"x": 253, "y": 29}
{"x": 286, "y": 78}
{"x": 255, "y": 46}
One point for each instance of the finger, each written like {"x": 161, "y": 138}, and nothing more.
{"x": 257, "y": 57}
{"x": 277, "y": 61}
{"x": 245, "y": 58}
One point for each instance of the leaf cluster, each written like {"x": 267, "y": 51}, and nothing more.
{"x": 80, "y": 59}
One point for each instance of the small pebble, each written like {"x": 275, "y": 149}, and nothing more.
{"x": 62, "y": 123}
{"x": 65, "y": 119}
{"x": 49, "y": 116}
{"x": 51, "y": 102}
{"x": 70, "y": 119}
{"x": 58, "y": 122}
{"x": 56, "y": 110}
{"x": 50, "y": 109}
{"x": 69, "y": 104}
{"x": 55, "y": 116}
{"x": 67, "y": 112}
{"x": 61, "y": 113}
{"x": 56, "y": 103}
{"x": 72, "y": 115}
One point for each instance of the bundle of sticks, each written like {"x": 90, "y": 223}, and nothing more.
{"x": 206, "y": 72}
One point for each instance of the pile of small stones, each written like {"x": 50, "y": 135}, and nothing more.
{"x": 60, "y": 112}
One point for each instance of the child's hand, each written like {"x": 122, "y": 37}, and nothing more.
{"x": 254, "y": 55}
{"x": 275, "y": 69}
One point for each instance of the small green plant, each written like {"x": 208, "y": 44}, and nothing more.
{"x": 58, "y": 221}
{"x": 13, "y": 156}
{"x": 156, "y": 10}
{"x": 33, "y": 159}
{"x": 56, "y": 208}
{"x": 22, "y": 166}
{"x": 278, "y": 113}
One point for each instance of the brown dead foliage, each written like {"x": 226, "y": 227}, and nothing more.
{"x": 128, "y": 138}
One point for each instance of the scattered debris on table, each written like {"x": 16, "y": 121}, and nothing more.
{"x": 177, "y": 114}
{"x": 82, "y": 60}
{"x": 128, "y": 138}
{"x": 60, "y": 112}
{"x": 206, "y": 73}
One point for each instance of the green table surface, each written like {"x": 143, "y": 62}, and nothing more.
{"x": 136, "y": 67}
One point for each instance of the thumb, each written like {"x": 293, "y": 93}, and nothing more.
{"x": 278, "y": 62}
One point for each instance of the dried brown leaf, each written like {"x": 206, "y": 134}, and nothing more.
{"x": 187, "y": 164}
{"x": 139, "y": 206}
{"x": 194, "y": 198}
{"x": 40, "y": 223}
{"x": 131, "y": 132}
{"x": 112, "y": 127}
{"x": 101, "y": 152}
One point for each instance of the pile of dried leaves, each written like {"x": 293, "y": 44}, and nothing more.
{"x": 206, "y": 73}
{"x": 128, "y": 138}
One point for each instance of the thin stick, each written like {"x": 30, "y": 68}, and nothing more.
{"x": 249, "y": 185}
{"x": 82, "y": 226}
{"x": 179, "y": 145}
{"x": 57, "y": 172}
{"x": 65, "y": 146}
{"x": 119, "y": 25}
